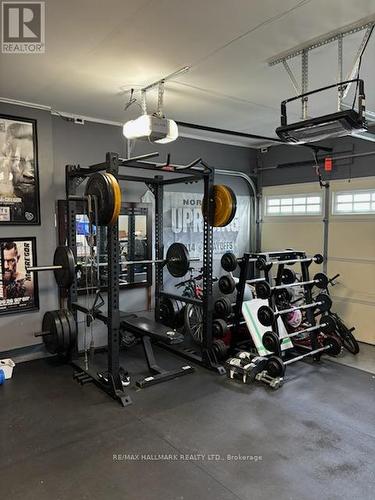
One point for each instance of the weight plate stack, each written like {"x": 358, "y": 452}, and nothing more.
{"x": 275, "y": 367}
{"x": 271, "y": 341}
{"x": 219, "y": 328}
{"x": 228, "y": 262}
{"x": 64, "y": 257}
{"x": 335, "y": 344}
{"x": 223, "y": 307}
{"x": 326, "y": 302}
{"x": 105, "y": 187}
{"x": 177, "y": 259}
{"x": 263, "y": 290}
{"x": 171, "y": 312}
{"x": 227, "y": 284}
{"x": 225, "y": 206}
{"x": 288, "y": 276}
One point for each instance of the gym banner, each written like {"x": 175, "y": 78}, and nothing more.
{"x": 18, "y": 288}
{"x": 19, "y": 182}
{"x": 183, "y": 222}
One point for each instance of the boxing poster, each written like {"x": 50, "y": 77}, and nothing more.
{"x": 19, "y": 182}
{"x": 18, "y": 286}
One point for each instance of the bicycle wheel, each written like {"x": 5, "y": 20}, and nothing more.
{"x": 348, "y": 339}
{"x": 193, "y": 320}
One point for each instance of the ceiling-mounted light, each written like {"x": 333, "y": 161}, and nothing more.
{"x": 152, "y": 128}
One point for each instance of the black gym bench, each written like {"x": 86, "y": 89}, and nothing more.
{"x": 148, "y": 330}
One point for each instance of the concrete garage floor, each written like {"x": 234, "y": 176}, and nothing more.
{"x": 313, "y": 439}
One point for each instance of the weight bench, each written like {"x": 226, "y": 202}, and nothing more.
{"x": 148, "y": 329}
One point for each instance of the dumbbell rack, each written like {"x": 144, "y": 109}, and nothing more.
{"x": 247, "y": 268}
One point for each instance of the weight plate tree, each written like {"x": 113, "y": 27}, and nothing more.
{"x": 225, "y": 203}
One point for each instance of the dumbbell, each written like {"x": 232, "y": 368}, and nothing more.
{"x": 267, "y": 316}
{"x": 227, "y": 283}
{"x": 276, "y": 366}
{"x": 229, "y": 261}
{"x": 220, "y": 327}
{"x": 264, "y": 290}
{"x": 263, "y": 264}
{"x": 271, "y": 340}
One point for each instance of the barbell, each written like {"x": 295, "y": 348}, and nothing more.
{"x": 220, "y": 327}
{"x": 276, "y": 366}
{"x": 64, "y": 266}
{"x": 229, "y": 261}
{"x": 267, "y": 316}
{"x": 263, "y": 264}
{"x": 227, "y": 284}
{"x": 264, "y": 290}
{"x": 271, "y": 340}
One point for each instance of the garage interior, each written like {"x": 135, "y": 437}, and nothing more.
{"x": 187, "y": 249}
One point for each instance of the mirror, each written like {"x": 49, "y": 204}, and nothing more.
{"x": 134, "y": 240}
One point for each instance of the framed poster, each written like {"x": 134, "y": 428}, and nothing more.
{"x": 18, "y": 287}
{"x": 19, "y": 179}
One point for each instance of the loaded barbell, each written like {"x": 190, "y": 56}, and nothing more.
{"x": 220, "y": 327}
{"x": 227, "y": 284}
{"x": 64, "y": 266}
{"x": 267, "y": 316}
{"x": 271, "y": 340}
{"x": 262, "y": 263}
{"x": 264, "y": 290}
{"x": 276, "y": 366}
{"x": 229, "y": 261}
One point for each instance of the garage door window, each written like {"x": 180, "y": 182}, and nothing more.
{"x": 354, "y": 202}
{"x": 302, "y": 204}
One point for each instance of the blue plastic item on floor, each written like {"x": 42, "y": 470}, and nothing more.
{"x": 2, "y": 377}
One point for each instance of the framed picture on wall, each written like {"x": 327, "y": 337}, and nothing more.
{"x": 18, "y": 286}
{"x": 19, "y": 178}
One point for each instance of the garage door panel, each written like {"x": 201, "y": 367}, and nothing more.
{"x": 292, "y": 234}
{"x": 352, "y": 239}
{"x": 356, "y": 280}
{"x": 362, "y": 316}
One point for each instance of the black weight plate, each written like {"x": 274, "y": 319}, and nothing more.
{"x": 335, "y": 345}
{"x": 326, "y": 302}
{"x": 171, "y": 312}
{"x": 177, "y": 260}
{"x": 321, "y": 280}
{"x": 99, "y": 185}
{"x": 282, "y": 296}
{"x": 219, "y": 328}
{"x": 59, "y": 332}
{"x": 318, "y": 258}
{"x": 261, "y": 264}
{"x": 275, "y": 367}
{"x": 228, "y": 262}
{"x": 271, "y": 341}
{"x": 266, "y": 316}
{"x": 227, "y": 284}
{"x": 220, "y": 349}
{"x": 327, "y": 324}
{"x": 49, "y": 325}
{"x": 263, "y": 290}
{"x": 72, "y": 327}
{"x": 64, "y": 257}
{"x": 288, "y": 276}
{"x": 223, "y": 307}
{"x": 65, "y": 330}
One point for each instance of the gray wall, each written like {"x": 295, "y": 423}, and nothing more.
{"x": 342, "y": 169}
{"x": 62, "y": 142}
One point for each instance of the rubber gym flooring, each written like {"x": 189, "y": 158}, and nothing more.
{"x": 312, "y": 439}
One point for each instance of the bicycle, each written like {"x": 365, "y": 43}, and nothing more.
{"x": 346, "y": 334}
{"x": 193, "y": 317}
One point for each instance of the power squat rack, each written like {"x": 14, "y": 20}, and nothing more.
{"x": 198, "y": 170}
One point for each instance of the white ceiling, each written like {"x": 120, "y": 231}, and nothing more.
{"x": 97, "y": 49}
